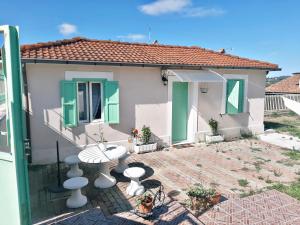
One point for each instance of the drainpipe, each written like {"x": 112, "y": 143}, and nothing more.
{"x": 27, "y": 139}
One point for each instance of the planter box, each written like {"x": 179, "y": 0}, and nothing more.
{"x": 145, "y": 148}
{"x": 213, "y": 138}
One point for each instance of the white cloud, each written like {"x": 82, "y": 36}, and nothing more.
{"x": 203, "y": 12}
{"x": 133, "y": 37}
{"x": 159, "y": 7}
{"x": 183, "y": 7}
{"x": 67, "y": 29}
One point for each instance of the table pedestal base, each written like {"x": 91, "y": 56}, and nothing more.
{"x": 105, "y": 180}
{"x": 76, "y": 199}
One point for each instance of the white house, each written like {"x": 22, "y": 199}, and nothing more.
{"x": 77, "y": 88}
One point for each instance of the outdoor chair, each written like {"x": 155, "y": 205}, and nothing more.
{"x": 75, "y": 184}
{"x": 135, "y": 187}
{"x": 73, "y": 162}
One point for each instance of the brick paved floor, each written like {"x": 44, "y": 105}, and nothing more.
{"x": 270, "y": 207}
{"x": 218, "y": 165}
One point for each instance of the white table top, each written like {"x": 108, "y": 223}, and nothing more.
{"x": 94, "y": 154}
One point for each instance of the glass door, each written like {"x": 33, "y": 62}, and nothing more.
{"x": 14, "y": 191}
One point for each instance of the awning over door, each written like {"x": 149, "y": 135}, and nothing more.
{"x": 196, "y": 75}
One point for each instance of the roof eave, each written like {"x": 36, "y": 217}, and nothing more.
{"x": 83, "y": 62}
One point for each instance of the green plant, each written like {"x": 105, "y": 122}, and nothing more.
{"x": 292, "y": 189}
{"x": 245, "y": 169}
{"x": 246, "y": 134}
{"x": 269, "y": 181}
{"x": 146, "y": 135}
{"x": 257, "y": 165}
{"x": 250, "y": 193}
{"x": 243, "y": 182}
{"x": 213, "y": 126}
{"x": 144, "y": 198}
{"x": 277, "y": 173}
{"x": 260, "y": 177}
{"x": 198, "y": 191}
{"x": 275, "y": 114}
{"x": 292, "y": 154}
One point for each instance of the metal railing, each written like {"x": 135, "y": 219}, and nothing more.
{"x": 275, "y": 103}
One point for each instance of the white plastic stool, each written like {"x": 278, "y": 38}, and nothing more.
{"x": 73, "y": 162}
{"x": 135, "y": 187}
{"x": 75, "y": 184}
{"x": 122, "y": 165}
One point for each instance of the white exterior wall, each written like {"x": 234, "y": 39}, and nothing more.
{"x": 143, "y": 100}
{"x": 212, "y": 105}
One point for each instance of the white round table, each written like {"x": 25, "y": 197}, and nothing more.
{"x": 96, "y": 154}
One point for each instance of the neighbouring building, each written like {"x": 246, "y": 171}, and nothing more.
{"x": 290, "y": 85}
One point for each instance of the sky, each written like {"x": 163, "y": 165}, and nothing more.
{"x": 265, "y": 30}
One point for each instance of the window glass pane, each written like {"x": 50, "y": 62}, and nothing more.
{"x": 82, "y": 102}
{"x": 4, "y": 145}
{"x": 96, "y": 101}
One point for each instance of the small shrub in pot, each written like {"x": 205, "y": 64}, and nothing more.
{"x": 213, "y": 126}
{"x": 145, "y": 203}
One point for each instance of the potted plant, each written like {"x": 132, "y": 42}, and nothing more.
{"x": 202, "y": 198}
{"x": 215, "y": 198}
{"x": 145, "y": 203}
{"x": 145, "y": 144}
{"x": 215, "y": 136}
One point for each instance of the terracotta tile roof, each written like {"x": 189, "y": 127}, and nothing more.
{"x": 288, "y": 85}
{"x": 82, "y": 49}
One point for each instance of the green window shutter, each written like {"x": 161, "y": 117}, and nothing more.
{"x": 235, "y": 96}
{"x": 241, "y": 95}
{"x": 111, "y": 108}
{"x": 69, "y": 102}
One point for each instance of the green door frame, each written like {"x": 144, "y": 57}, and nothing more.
{"x": 179, "y": 111}
{"x": 14, "y": 194}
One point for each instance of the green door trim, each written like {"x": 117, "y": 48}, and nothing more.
{"x": 179, "y": 111}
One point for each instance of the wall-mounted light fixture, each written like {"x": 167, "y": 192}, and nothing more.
{"x": 164, "y": 79}
{"x": 203, "y": 88}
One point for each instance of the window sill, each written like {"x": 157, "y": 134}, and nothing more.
{"x": 92, "y": 122}
{"x": 233, "y": 114}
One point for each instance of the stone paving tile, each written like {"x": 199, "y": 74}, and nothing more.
{"x": 176, "y": 169}
{"x": 255, "y": 210}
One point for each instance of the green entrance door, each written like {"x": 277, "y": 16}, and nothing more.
{"x": 179, "y": 111}
{"x": 14, "y": 191}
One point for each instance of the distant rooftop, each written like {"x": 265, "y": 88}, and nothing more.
{"x": 288, "y": 85}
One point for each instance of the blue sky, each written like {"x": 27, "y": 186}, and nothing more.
{"x": 266, "y": 30}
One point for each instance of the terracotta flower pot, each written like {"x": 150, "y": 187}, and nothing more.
{"x": 216, "y": 199}
{"x": 146, "y": 205}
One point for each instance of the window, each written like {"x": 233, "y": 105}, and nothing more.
{"x": 235, "y": 96}
{"x": 89, "y": 101}
{"x": 96, "y": 101}
{"x": 82, "y": 99}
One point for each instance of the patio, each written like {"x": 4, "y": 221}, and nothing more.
{"x": 223, "y": 166}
